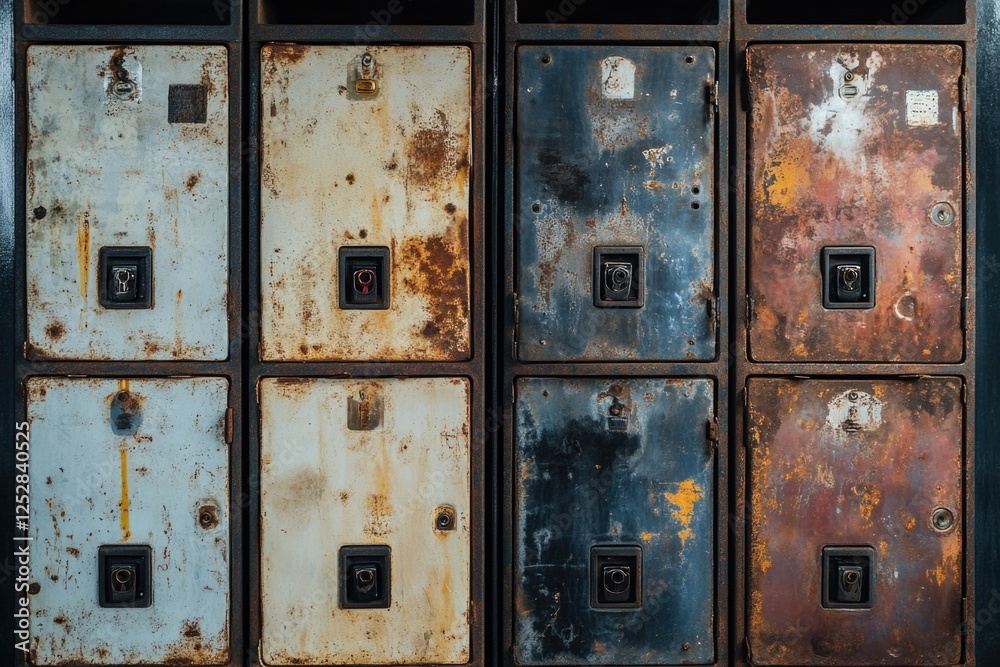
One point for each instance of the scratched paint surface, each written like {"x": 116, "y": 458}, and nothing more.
{"x": 855, "y": 463}
{"x": 831, "y": 169}
{"x": 109, "y": 171}
{"x": 580, "y": 484}
{"x": 84, "y": 477}
{"x": 615, "y": 147}
{"x": 386, "y": 170}
{"x": 324, "y": 486}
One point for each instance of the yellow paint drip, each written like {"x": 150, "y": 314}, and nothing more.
{"x": 688, "y": 493}
{"x": 126, "y": 532}
{"x": 83, "y": 255}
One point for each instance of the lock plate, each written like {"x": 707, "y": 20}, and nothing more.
{"x": 364, "y": 278}
{"x": 126, "y": 275}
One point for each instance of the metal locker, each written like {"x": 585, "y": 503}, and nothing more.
{"x": 856, "y": 521}
{"x": 614, "y": 203}
{"x": 129, "y": 521}
{"x": 855, "y": 213}
{"x": 127, "y": 202}
{"x": 614, "y": 526}
{"x": 364, "y": 199}
{"x": 365, "y": 521}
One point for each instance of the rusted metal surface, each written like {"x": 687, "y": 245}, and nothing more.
{"x": 614, "y": 462}
{"x": 325, "y": 485}
{"x": 112, "y": 162}
{"x": 149, "y": 479}
{"x": 856, "y": 145}
{"x": 343, "y": 168}
{"x": 615, "y": 147}
{"x": 855, "y": 463}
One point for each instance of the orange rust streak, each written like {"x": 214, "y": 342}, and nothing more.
{"x": 126, "y": 532}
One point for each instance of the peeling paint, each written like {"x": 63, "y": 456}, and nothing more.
{"x": 684, "y": 499}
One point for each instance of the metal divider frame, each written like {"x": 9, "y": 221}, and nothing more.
{"x": 474, "y": 369}
{"x": 228, "y": 33}
{"x": 717, "y": 369}
{"x": 746, "y": 34}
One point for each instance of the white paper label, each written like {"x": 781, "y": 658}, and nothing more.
{"x": 921, "y": 108}
{"x": 618, "y": 78}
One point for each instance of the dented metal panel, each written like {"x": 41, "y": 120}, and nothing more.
{"x": 342, "y": 167}
{"x": 127, "y": 147}
{"x": 858, "y": 463}
{"x": 856, "y": 145}
{"x": 357, "y": 463}
{"x": 614, "y": 462}
{"x": 615, "y": 147}
{"x": 159, "y": 478}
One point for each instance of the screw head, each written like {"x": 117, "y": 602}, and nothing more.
{"x": 849, "y": 76}
{"x": 366, "y": 60}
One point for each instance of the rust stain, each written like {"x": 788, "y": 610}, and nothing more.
{"x": 193, "y": 180}
{"x": 438, "y": 270}
{"x": 83, "y": 254}
{"x": 684, "y": 499}
{"x": 378, "y": 516}
{"x": 868, "y": 499}
{"x": 284, "y": 54}
{"x": 55, "y": 331}
{"x": 124, "y": 504}
{"x": 350, "y": 179}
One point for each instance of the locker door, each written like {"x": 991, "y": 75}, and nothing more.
{"x": 614, "y": 502}
{"x": 365, "y": 521}
{"x": 856, "y": 521}
{"x": 127, "y": 202}
{"x": 855, "y": 203}
{"x": 365, "y": 203}
{"x": 614, "y": 205}
{"x": 130, "y": 521}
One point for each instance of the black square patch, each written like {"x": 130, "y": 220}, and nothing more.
{"x": 187, "y": 103}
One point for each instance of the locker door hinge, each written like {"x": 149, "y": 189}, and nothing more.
{"x": 963, "y": 93}
{"x": 746, "y": 99}
{"x": 965, "y": 393}
{"x": 513, "y": 338}
{"x": 713, "y": 95}
{"x": 965, "y": 311}
{"x": 712, "y": 432}
{"x": 749, "y": 651}
{"x": 713, "y": 313}
{"x": 750, "y": 311}
{"x": 229, "y": 426}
